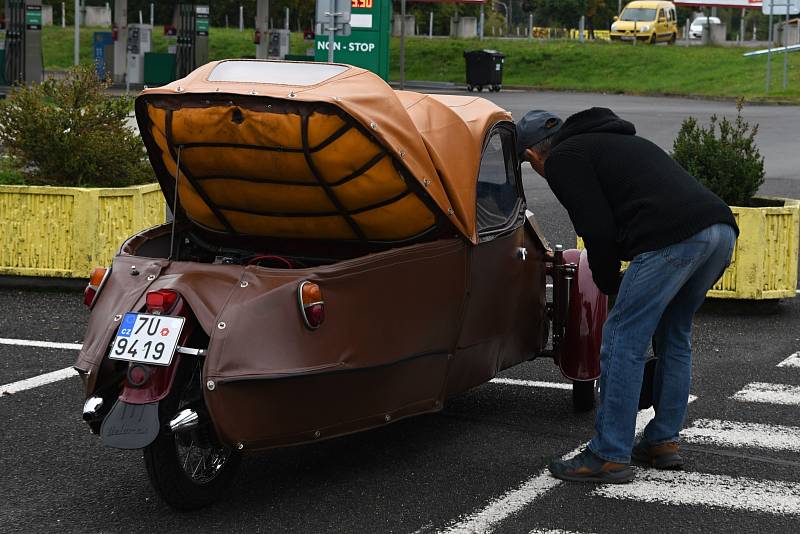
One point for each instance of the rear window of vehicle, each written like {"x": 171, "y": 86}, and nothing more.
{"x": 638, "y": 14}
{"x": 274, "y": 72}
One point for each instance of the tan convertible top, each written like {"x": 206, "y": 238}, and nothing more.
{"x": 345, "y": 157}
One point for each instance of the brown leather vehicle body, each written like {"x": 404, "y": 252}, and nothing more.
{"x": 427, "y": 308}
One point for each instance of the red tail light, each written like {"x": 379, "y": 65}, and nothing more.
{"x": 312, "y": 307}
{"x": 96, "y": 281}
{"x": 161, "y": 300}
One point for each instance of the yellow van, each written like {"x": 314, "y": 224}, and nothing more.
{"x": 649, "y": 22}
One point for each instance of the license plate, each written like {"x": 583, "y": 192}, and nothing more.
{"x": 626, "y": 38}
{"x": 145, "y": 338}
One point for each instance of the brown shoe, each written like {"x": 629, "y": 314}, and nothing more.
{"x": 663, "y": 456}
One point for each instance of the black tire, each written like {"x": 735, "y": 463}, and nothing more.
{"x": 470, "y": 88}
{"x": 497, "y": 88}
{"x": 480, "y": 88}
{"x": 173, "y": 461}
{"x": 583, "y": 396}
{"x": 673, "y": 39}
{"x": 652, "y": 39}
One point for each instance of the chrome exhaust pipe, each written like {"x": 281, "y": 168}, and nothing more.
{"x": 91, "y": 408}
{"x": 185, "y": 420}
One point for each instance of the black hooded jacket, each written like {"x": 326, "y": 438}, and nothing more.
{"x": 623, "y": 193}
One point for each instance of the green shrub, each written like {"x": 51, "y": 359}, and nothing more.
{"x": 727, "y": 162}
{"x": 71, "y": 132}
{"x": 10, "y": 173}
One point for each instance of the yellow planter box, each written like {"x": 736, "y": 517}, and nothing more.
{"x": 67, "y": 231}
{"x": 765, "y": 260}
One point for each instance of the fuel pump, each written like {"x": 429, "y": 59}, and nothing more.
{"x": 23, "y": 42}
{"x": 139, "y": 43}
{"x": 192, "y": 23}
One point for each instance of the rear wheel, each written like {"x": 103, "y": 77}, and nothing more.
{"x": 470, "y": 88}
{"x": 480, "y": 88}
{"x": 583, "y": 396}
{"x": 189, "y": 470}
{"x": 672, "y": 39}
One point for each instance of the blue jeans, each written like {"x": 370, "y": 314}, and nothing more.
{"x": 659, "y": 295}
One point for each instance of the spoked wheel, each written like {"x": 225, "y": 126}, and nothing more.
{"x": 583, "y": 396}
{"x": 189, "y": 470}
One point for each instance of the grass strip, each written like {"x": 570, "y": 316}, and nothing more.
{"x": 707, "y": 71}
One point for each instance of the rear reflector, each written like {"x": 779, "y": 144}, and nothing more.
{"x": 161, "y": 300}
{"x": 96, "y": 281}
{"x": 312, "y": 307}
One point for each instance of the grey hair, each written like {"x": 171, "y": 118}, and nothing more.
{"x": 543, "y": 146}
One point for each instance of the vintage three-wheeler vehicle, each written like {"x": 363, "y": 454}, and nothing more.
{"x": 342, "y": 256}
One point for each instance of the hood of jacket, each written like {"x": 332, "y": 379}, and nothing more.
{"x": 592, "y": 120}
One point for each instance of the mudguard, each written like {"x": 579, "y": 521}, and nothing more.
{"x": 579, "y": 357}
{"x": 130, "y": 426}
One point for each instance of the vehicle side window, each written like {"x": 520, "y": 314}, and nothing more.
{"x": 660, "y": 14}
{"x": 497, "y": 193}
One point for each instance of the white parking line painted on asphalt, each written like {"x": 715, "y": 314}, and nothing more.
{"x": 702, "y": 489}
{"x": 769, "y": 393}
{"x": 791, "y": 361}
{"x": 551, "y": 531}
{"x": 531, "y": 383}
{"x": 41, "y": 344}
{"x": 515, "y": 500}
{"x": 36, "y": 381}
{"x": 736, "y": 434}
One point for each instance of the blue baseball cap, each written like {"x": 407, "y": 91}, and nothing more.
{"x": 533, "y": 127}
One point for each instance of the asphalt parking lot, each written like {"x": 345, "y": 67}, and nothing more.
{"x": 478, "y": 466}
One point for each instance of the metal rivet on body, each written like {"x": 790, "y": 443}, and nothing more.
{"x": 387, "y": 417}
{"x": 117, "y": 318}
{"x": 426, "y": 182}
{"x": 450, "y": 211}
{"x": 221, "y": 325}
{"x": 291, "y": 95}
{"x": 402, "y": 153}
{"x": 269, "y": 106}
{"x": 210, "y": 385}
{"x": 179, "y": 89}
{"x": 373, "y": 125}
{"x": 216, "y": 90}
{"x": 317, "y": 434}
{"x": 134, "y": 271}
{"x": 151, "y": 277}
{"x": 244, "y": 283}
{"x": 253, "y": 92}
{"x": 240, "y": 445}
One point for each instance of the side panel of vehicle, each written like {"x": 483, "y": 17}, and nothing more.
{"x": 390, "y": 326}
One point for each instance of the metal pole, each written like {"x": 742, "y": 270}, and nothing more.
{"x": 741, "y": 27}
{"x": 769, "y": 51}
{"x": 530, "y": 26}
{"x": 430, "y": 26}
{"x": 581, "y": 24}
{"x": 141, "y": 20}
{"x": 483, "y": 21}
{"x": 286, "y": 20}
{"x": 63, "y": 15}
{"x": 786, "y": 46}
{"x": 241, "y": 18}
{"x": 331, "y": 31}
{"x": 152, "y": 14}
{"x": 402, "y": 44}
{"x": 76, "y": 58}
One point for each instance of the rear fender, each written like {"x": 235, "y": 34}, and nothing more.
{"x": 160, "y": 378}
{"x": 579, "y": 354}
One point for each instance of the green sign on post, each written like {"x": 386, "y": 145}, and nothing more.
{"x": 33, "y": 17}
{"x": 367, "y": 46}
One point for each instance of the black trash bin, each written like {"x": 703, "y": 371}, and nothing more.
{"x": 484, "y": 69}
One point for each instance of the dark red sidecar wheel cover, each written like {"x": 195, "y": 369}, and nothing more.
{"x": 580, "y": 353}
